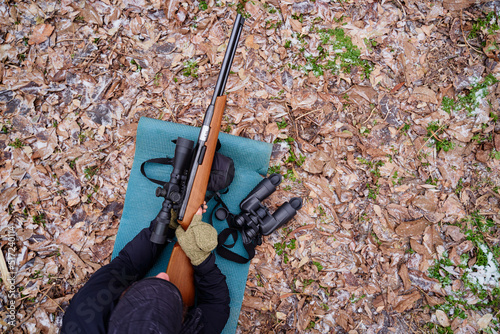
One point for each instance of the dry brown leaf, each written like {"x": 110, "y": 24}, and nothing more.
{"x": 102, "y": 250}
{"x": 465, "y": 247}
{"x": 425, "y": 283}
{"x": 250, "y": 43}
{"x": 423, "y": 94}
{"x": 53, "y": 305}
{"x": 136, "y": 25}
{"x": 316, "y": 162}
{"x": 410, "y": 59}
{"x": 129, "y": 130}
{"x": 8, "y": 195}
{"x": 303, "y": 99}
{"x": 427, "y": 202}
{"x": 461, "y": 130}
{"x": 343, "y": 320}
{"x": 485, "y": 321}
{"x": 90, "y": 14}
{"x": 362, "y": 94}
{"x": 216, "y": 34}
{"x": 453, "y": 207}
{"x": 296, "y": 25}
{"x": 403, "y": 274}
{"x": 40, "y": 33}
{"x": 457, "y": 5}
{"x": 255, "y": 303}
{"x": 71, "y": 237}
{"x": 407, "y": 302}
{"x": 433, "y": 300}
{"x": 454, "y": 232}
{"x": 442, "y": 318}
{"x": 399, "y": 212}
{"x": 412, "y": 228}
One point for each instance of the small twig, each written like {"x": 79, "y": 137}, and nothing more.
{"x": 313, "y": 121}
{"x": 494, "y": 193}
{"x": 74, "y": 34}
{"x": 303, "y": 115}
{"x": 129, "y": 55}
{"x": 402, "y": 7}
{"x": 289, "y": 109}
{"x": 34, "y": 308}
{"x": 327, "y": 119}
{"x": 59, "y": 306}
{"x": 70, "y": 40}
{"x": 5, "y": 271}
{"x": 463, "y": 35}
{"x": 371, "y": 114}
{"x": 90, "y": 62}
{"x": 433, "y": 135}
{"x": 447, "y": 58}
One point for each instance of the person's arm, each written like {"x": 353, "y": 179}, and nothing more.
{"x": 213, "y": 295}
{"x": 198, "y": 241}
{"x": 91, "y": 307}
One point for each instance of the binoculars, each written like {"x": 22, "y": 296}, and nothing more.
{"x": 255, "y": 219}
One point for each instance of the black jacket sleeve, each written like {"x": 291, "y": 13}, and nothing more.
{"x": 213, "y": 295}
{"x": 91, "y": 307}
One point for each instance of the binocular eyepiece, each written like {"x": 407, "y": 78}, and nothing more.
{"x": 255, "y": 219}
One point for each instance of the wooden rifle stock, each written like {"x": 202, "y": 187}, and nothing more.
{"x": 179, "y": 267}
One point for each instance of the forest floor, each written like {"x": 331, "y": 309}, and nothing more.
{"x": 385, "y": 120}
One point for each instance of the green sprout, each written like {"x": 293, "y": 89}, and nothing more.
{"x": 156, "y": 80}
{"x": 202, "y": 5}
{"x": 17, "y": 143}
{"x": 434, "y": 130}
{"x": 133, "y": 62}
{"x": 190, "y": 69}
{"x": 90, "y": 172}
{"x": 318, "y": 265}
{"x": 281, "y": 125}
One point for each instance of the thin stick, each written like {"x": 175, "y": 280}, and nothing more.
{"x": 465, "y": 39}
{"x": 34, "y": 309}
{"x": 371, "y": 115}
{"x": 494, "y": 193}
{"x": 5, "y": 271}
{"x": 303, "y": 115}
{"x": 70, "y": 40}
{"x": 432, "y": 135}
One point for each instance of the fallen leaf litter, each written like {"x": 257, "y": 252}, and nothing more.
{"x": 384, "y": 118}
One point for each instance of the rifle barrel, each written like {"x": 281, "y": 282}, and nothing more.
{"x": 228, "y": 58}
{"x": 205, "y": 128}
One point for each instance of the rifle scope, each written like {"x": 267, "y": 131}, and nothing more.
{"x": 173, "y": 190}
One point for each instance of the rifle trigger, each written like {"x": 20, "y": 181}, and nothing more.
{"x": 202, "y": 154}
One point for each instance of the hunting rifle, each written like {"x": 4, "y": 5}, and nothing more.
{"x": 185, "y": 192}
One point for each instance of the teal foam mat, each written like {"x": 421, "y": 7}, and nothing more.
{"x": 154, "y": 140}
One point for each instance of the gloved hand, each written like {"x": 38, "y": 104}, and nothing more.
{"x": 173, "y": 220}
{"x": 198, "y": 241}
